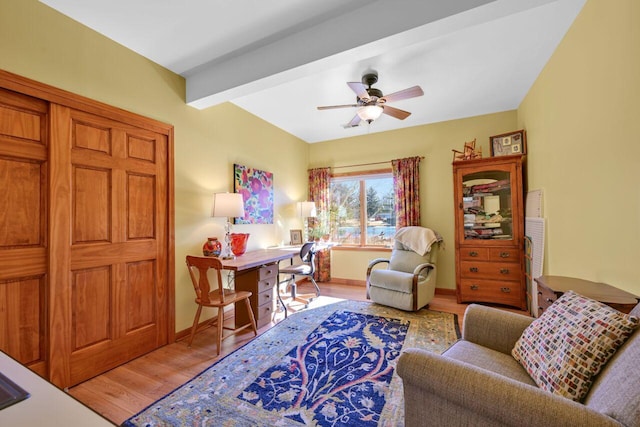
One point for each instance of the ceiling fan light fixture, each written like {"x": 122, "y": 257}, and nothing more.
{"x": 369, "y": 113}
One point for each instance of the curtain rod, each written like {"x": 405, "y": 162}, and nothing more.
{"x": 364, "y": 164}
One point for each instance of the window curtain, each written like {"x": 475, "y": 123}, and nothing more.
{"x": 406, "y": 187}
{"x": 319, "y": 181}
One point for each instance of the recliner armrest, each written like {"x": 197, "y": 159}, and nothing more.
{"x": 496, "y": 329}
{"x": 489, "y": 395}
{"x": 422, "y": 266}
{"x": 377, "y": 261}
{"x": 373, "y": 263}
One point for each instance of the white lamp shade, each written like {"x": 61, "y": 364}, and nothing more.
{"x": 369, "y": 112}
{"x": 228, "y": 205}
{"x": 306, "y": 209}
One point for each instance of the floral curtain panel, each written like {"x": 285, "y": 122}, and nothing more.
{"x": 406, "y": 186}
{"x": 319, "y": 181}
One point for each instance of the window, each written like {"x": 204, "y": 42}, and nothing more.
{"x": 362, "y": 209}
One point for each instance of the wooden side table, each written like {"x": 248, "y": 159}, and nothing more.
{"x": 551, "y": 288}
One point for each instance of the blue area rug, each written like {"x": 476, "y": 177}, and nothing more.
{"x": 329, "y": 366}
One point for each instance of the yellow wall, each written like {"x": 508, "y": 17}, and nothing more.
{"x": 583, "y": 125}
{"x": 39, "y": 43}
{"x": 582, "y": 118}
{"x": 435, "y": 143}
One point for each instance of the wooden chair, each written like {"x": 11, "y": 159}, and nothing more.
{"x": 219, "y": 298}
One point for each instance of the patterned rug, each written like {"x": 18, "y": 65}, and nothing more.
{"x": 327, "y": 366}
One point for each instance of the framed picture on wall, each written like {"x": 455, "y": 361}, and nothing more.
{"x": 296, "y": 237}
{"x": 507, "y": 144}
{"x": 256, "y": 187}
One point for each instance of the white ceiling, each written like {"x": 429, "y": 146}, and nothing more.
{"x": 281, "y": 59}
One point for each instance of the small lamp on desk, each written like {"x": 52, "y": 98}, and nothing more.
{"x": 227, "y": 205}
{"x": 306, "y": 210}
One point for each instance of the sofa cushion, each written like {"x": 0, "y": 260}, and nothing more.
{"x": 393, "y": 280}
{"x": 402, "y": 260}
{"x": 491, "y": 360}
{"x": 616, "y": 390}
{"x": 570, "y": 342}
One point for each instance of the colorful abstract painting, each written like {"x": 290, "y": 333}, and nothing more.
{"x": 256, "y": 187}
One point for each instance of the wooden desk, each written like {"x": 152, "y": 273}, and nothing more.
{"x": 47, "y": 405}
{"x": 257, "y": 272}
{"x": 551, "y": 287}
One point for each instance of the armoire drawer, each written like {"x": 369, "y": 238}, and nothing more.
{"x": 490, "y": 270}
{"x": 474, "y": 254}
{"x": 490, "y": 254}
{"x": 505, "y": 254}
{"x": 501, "y": 292}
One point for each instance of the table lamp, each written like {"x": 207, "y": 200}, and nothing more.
{"x": 227, "y": 205}
{"x": 306, "y": 210}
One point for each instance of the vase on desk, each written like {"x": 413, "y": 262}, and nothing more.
{"x": 239, "y": 243}
{"x": 212, "y": 247}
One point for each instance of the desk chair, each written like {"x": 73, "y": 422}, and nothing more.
{"x": 218, "y": 298}
{"x": 306, "y": 269}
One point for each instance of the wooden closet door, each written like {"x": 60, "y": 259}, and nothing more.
{"x": 23, "y": 228}
{"x": 108, "y": 244}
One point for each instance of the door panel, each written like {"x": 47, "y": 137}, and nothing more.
{"x": 141, "y": 201}
{"x": 23, "y": 228}
{"x": 140, "y": 309}
{"x": 91, "y": 201}
{"x": 114, "y": 182}
{"x": 91, "y": 306}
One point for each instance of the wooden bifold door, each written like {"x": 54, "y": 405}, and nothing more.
{"x": 92, "y": 281}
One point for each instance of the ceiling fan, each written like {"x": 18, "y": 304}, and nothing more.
{"x": 371, "y": 103}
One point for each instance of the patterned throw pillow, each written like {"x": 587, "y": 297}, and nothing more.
{"x": 570, "y": 342}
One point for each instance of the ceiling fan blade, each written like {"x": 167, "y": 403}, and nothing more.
{"x": 395, "y": 112}
{"x": 411, "y": 92}
{"x": 360, "y": 90}
{"x": 330, "y": 107}
{"x": 354, "y": 122}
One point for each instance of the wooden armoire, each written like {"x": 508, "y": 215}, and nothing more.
{"x": 489, "y": 209}
{"x": 86, "y": 240}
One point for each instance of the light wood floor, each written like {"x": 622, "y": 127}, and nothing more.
{"x": 127, "y": 389}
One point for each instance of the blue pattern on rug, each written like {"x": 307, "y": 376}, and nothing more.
{"x": 211, "y": 397}
{"x": 340, "y": 374}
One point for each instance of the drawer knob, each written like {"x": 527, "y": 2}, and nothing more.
{"x": 473, "y": 253}
{"x": 504, "y": 254}
{"x": 504, "y": 271}
{"x": 549, "y": 300}
{"x": 473, "y": 269}
{"x": 505, "y": 290}
{"x": 474, "y": 287}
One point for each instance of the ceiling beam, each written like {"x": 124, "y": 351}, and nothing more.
{"x": 353, "y": 34}
{"x": 357, "y": 35}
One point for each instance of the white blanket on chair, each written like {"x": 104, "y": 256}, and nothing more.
{"x": 418, "y": 239}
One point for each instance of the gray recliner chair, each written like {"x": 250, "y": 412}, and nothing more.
{"x": 409, "y": 281}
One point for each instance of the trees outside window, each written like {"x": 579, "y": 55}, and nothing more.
{"x": 362, "y": 209}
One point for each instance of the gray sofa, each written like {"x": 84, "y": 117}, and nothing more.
{"x": 477, "y": 382}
